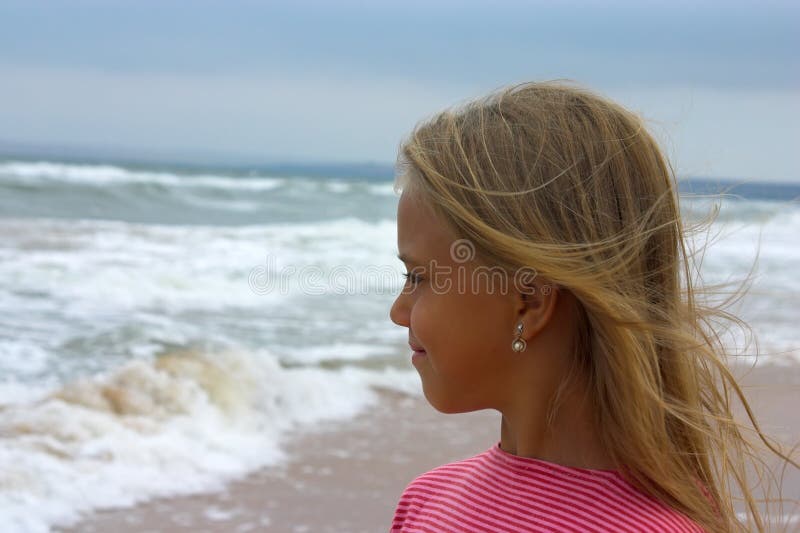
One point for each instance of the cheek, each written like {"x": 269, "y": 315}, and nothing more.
{"x": 422, "y": 320}
{"x": 479, "y": 343}
{"x": 459, "y": 330}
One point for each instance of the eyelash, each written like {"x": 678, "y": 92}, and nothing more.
{"x": 413, "y": 278}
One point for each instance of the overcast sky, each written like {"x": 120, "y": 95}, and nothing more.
{"x": 343, "y": 81}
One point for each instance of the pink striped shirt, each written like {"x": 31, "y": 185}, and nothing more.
{"x": 496, "y": 491}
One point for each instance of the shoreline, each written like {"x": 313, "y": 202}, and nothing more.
{"x": 348, "y": 476}
{"x": 343, "y": 476}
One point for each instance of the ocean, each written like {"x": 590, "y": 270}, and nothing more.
{"x": 164, "y": 328}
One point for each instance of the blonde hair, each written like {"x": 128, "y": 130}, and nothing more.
{"x": 553, "y": 177}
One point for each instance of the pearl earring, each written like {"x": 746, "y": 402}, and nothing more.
{"x": 519, "y": 343}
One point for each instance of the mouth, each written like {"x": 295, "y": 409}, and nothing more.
{"x": 416, "y": 348}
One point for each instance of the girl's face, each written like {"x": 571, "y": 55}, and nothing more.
{"x": 464, "y": 321}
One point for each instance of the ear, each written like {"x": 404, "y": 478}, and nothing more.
{"x": 536, "y": 303}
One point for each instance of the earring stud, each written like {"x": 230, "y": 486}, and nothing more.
{"x": 519, "y": 343}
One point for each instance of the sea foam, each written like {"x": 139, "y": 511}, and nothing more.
{"x": 184, "y": 422}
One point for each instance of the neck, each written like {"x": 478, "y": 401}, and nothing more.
{"x": 570, "y": 440}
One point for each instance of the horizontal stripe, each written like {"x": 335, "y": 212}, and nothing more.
{"x": 497, "y": 491}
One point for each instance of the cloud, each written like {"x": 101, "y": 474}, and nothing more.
{"x": 275, "y": 118}
{"x": 345, "y": 81}
{"x": 627, "y": 43}
{"x": 706, "y": 131}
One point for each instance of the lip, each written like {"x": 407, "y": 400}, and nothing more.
{"x": 416, "y": 349}
{"x": 418, "y": 355}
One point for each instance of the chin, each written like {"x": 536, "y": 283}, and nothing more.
{"x": 449, "y": 407}
{"x": 447, "y": 410}
{"x": 436, "y": 403}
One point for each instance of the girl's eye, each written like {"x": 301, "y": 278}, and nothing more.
{"x": 411, "y": 277}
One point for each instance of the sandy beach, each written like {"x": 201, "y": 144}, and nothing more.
{"x": 347, "y": 477}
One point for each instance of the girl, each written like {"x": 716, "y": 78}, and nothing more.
{"x": 549, "y": 279}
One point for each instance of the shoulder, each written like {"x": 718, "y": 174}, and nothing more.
{"x": 428, "y": 493}
{"x": 443, "y": 477}
{"x": 488, "y": 493}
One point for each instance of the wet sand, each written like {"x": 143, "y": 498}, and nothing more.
{"x": 347, "y": 477}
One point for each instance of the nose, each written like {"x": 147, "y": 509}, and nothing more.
{"x": 400, "y": 312}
